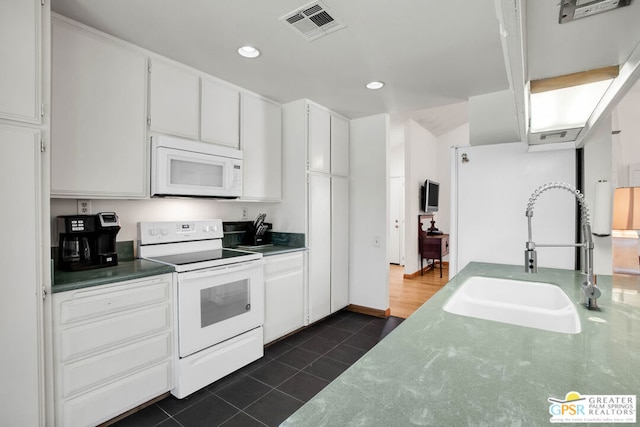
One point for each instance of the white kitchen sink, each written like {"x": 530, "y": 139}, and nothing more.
{"x": 532, "y": 304}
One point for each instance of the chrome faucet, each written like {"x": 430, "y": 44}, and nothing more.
{"x": 589, "y": 290}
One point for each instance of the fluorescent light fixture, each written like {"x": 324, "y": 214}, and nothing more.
{"x": 565, "y": 108}
{"x": 249, "y": 52}
{"x": 375, "y": 85}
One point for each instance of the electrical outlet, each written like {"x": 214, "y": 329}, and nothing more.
{"x": 376, "y": 241}
{"x": 245, "y": 213}
{"x": 84, "y": 207}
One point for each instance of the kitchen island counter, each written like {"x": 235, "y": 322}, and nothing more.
{"x": 439, "y": 368}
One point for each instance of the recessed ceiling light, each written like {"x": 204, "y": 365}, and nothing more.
{"x": 375, "y": 85}
{"x": 249, "y": 52}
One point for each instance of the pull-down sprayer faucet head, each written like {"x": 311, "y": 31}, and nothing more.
{"x": 589, "y": 291}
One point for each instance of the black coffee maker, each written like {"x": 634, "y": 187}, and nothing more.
{"x": 87, "y": 241}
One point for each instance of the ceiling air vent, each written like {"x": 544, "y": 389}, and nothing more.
{"x": 576, "y": 9}
{"x": 312, "y": 21}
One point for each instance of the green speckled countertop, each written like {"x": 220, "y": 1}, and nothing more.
{"x": 442, "y": 369}
{"x": 268, "y": 250}
{"x": 125, "y": 270}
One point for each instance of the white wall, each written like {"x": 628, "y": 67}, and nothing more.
{"x": 131, "y": 212}
{"x": 369, "y": 212}
{"x": 493, "y": 189}
{"x": 421, "y": 163}
{"x": 597, "y": 165}
{"x": 396, "y": 161}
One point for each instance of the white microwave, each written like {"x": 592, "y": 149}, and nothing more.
{"x": 181, "y": 167}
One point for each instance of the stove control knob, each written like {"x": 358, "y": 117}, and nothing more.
{"x": 164, "y": 231}
{"x": 206, "y": 228}
{"x": 153, "y": 232}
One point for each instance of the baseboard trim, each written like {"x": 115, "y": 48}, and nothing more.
{"x": 134, "y": 410}
{"x": 424, "y": 270}
{"x": 369, "y": 311}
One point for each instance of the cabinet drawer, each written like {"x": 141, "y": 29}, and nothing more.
{"x": 107, "y": 402}
{"x": 113, "y": 364}
{"x": 283, "y": 264}
{"x": 106, "y": 333}
{"x": 91, "y": 303}
{"x": 445, "y": 245}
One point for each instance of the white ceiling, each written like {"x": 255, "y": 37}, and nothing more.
{"x": 429, "y": 54}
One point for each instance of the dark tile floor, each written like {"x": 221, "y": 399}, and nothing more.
{"x": 267, "y": 391}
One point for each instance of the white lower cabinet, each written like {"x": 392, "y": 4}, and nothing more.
{"x": 284, "y": 295}
{"x": 113, "y": 349}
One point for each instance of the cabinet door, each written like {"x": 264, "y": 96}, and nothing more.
{"x": 262, "y": 148}
{"x": 174, "y": 100}
{"x": 98, "y": 127}
{"x": 319, "y": 246}
{"x": 339, "y": 243}
{"x": 21, "y": 308}
{"x": 339, "y": 146}
{"x": 220, "y": 113}
{"x": 284, "y": 304}
{"x": 319, "y": 128}
{"x": 20, "y": 71}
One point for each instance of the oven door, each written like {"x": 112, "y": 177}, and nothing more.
{"x": 219, "y": 303}
{"x": 188, "y": 173}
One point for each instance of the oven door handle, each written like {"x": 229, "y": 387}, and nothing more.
{"x": 223, "y": 269}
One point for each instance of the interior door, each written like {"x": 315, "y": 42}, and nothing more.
{"x": 489, "y": 200}
{"x": 396, "y": 221}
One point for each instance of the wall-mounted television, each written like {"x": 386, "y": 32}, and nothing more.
{"x": 429, "y": 196}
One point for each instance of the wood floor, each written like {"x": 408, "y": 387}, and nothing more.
{"x": 406, "y": 295}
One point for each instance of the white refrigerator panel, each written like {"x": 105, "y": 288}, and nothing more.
{"x": 489, "y": 198}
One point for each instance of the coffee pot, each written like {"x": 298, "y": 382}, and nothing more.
{"x": 87, "y": 241}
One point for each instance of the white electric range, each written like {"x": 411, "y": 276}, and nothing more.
{"x": 218, "y": 299}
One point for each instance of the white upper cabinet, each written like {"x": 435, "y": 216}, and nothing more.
{"x": 174, "y": 101}
{"x": 319, "y": 128}
{"x": 262, "y": 148}
{"x": 20, "y": 52}
{"x": 98, "y": 119}
{"x": 220, "y": 116}
{"x": 339, "y": 146}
